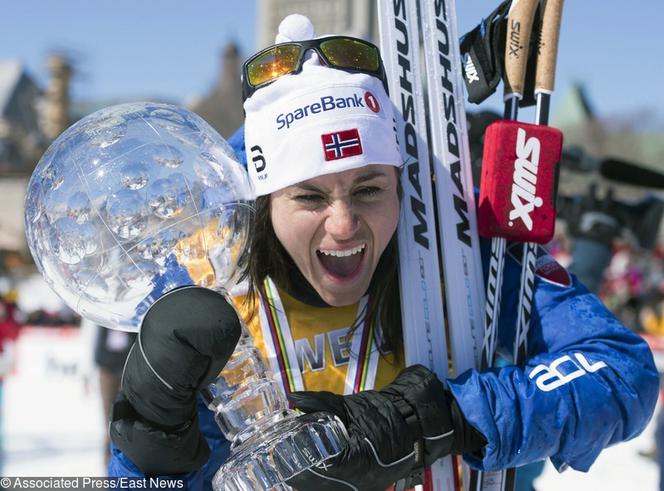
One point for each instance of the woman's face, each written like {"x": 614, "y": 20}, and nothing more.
{"x": 335, "y": 227}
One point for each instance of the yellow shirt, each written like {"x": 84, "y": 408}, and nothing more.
{"x": 322, "y": 344}
{"x": 319, "y": 333}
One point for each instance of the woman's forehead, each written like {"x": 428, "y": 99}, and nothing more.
{"x": 349, "y": 177}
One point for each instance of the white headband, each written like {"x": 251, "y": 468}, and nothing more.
{"x": 316, "y": 122}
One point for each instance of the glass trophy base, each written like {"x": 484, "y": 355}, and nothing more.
{"x": 280, "y": 449}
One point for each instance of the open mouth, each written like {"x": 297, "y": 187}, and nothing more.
{"x": 342, "y": 264}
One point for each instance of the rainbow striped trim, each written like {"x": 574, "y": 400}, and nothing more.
{"x": 361, "y": 371}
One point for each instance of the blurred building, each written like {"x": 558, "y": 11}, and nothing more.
{"x": 21, "y": 137}
{"x": 222, "y": 106}
{"x": 56, "y": 117}
{"x": 29, "y": 119}
{"x": 12, "y": 196}
{"x": 621, "y": 136}
{"x": 22, "y": 142}
{"x": 353, "y": 17}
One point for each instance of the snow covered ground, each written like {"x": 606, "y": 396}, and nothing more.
{"x": 618, "y": 468}
{"x": 53, "y": 422}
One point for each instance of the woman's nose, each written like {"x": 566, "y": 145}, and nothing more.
{"x": 341, "y": 223}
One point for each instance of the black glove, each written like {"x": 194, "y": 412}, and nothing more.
{"x": 394, "y": 433}
{"x": 185, "y": 340}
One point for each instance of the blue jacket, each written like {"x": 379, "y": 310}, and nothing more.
{"x": 588, "y": 381}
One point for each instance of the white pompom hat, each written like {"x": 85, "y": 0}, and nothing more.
{"x": 319, "y": 121}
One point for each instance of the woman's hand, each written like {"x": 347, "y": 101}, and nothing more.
{"x": 185, "y": 340}
{"x": 394, "y": 433}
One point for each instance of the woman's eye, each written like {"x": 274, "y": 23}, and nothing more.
{"x": 367, "y": 192}
{"x": 310, "y": 198}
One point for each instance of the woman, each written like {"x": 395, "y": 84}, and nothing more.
{"x": 322, "y": 155}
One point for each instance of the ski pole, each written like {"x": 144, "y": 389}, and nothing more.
{"x": 544, "y": 83}
{"x": 547, "y": 57}
{"x": 517, "y": 41}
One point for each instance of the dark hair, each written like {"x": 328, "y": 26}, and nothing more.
{"x": 268, "y": 257}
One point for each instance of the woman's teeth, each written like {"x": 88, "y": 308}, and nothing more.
{"x": 346, "y": 253}
{"x": 342, "y": 263}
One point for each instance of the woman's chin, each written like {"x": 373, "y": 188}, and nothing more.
{"x": 342, "y": 299}
{"x": 341, "y": 293}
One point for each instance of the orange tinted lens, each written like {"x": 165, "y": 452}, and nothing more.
{"x": 273, "y": 64}
{"x": 350, "y": 53}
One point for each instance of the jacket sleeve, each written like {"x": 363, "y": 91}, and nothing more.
{"x": 588, "y": 381}
{"x": 121, "y": 466}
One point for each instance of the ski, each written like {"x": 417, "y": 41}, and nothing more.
{"x": 457, "y": 218}
{"x": 421, "y": 292}
{"x": 448, "y": 213}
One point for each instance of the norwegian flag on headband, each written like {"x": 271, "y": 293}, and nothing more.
{"x": 342, "y": 144}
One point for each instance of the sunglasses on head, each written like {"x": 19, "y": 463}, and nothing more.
{"x": 341, "y": 52}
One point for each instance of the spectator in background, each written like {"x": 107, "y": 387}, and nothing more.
{"x": 652, "y": 320}
{"x": 110, "y": 352}
{"x": 651, "y": 316}
{"x": 10, "y": 322}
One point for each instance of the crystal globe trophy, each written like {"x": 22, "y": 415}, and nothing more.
{"x": 136, "y": 200}
{"x": 131, "y": 202}
{"x": 270, "y": 443}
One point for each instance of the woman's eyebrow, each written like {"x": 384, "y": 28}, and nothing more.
{"x": 307, "y": 187}
{"x": 369, "y": 176}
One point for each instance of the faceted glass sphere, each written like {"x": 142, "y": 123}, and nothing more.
{"x": 133, "y": 201}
